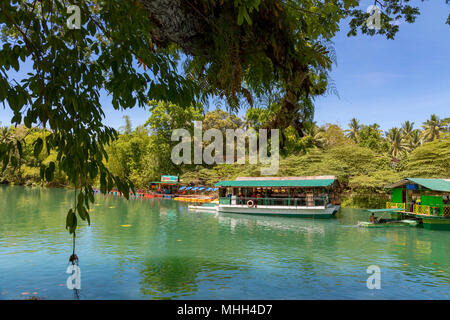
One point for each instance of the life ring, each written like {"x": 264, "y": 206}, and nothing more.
{"x": 250, "y": 203}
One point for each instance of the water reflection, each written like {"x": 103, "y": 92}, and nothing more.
{"x": 157, "y": 249}
{"x": 177, "y": 277}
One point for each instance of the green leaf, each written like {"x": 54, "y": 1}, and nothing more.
{"x": 19, "y": 148}
{"x": 82, "y": 212}
{"x": 50, "y": 171}
{"x": 5, "y": 162}
{"x": 71, "y": 221}
{"x": 38, "y": 145}
{"x": 42, "y": 172}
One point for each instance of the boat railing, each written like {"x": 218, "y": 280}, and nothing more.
{"x": 446, "y": 209}
{"x": 316, "y": 201}
{"x": 431, "y": 210}
{"x": 395, "y": 205}
{"x": 421, "y": 209}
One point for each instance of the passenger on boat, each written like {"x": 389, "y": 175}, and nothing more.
{"x": 373, "y": 219}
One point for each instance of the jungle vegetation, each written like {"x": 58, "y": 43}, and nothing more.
{"x": 362, "y": 156}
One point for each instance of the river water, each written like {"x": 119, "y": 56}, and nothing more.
{"x": 157, "y": 249}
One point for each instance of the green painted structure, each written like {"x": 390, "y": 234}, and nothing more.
{"x": 424, "y": 199}
{"x": 396, "y": 195}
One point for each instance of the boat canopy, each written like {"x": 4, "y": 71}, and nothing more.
{"x": 279, "y": 182}
{"x": 384, "y": 210}
{"x": 432, "y": 184}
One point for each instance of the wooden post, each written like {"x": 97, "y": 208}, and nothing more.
{"x": 289, "y": 196}
{"x": 310, "y": 198}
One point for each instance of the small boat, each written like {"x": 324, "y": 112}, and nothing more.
{"x": 388, "y": 224}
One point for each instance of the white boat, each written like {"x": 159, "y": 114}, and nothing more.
{"x": 288, "y": 210}
{"x": 309, "y": 197}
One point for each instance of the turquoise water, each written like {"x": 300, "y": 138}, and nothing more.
{"x": 168, "y": 252}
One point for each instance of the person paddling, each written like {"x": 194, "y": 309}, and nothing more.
{"x": 373, "y": 219}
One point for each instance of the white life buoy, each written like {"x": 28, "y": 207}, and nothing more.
{"x": 250, "y": 203}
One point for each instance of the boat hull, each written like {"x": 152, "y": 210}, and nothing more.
{"x": 203, "y": 208}
{"x": 437, "y": 223}
{"x": 399, "y": 224}
{"x": 305, "y": 212}
{"x": 429, "y": 222}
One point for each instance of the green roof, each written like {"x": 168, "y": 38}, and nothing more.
{"x": 276, "y": 183}
{"x": 384, "y": 210}
{"x": 432, "y": 184}
{"x": 164, "y": 182}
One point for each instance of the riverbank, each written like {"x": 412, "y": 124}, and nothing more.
{"x": 348, "y": 199}
{"x": 355, "y": 200}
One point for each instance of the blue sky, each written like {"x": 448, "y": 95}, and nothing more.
{"x": 378, "y": 80}
{"x": 389, "y": 81}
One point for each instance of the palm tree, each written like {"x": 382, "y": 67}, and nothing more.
{"x": 407, "y": 129}
{"x": 414, "y": 139}
{"x": 316, "y": 133}
{"x": 446, "y": 125}
{"x": 396, "y": 141}
{"x": 354, "y": 126}
{"x": 5, "y": 135}
{"x": 376, "y": 127}
{"x": 432, "y": 128}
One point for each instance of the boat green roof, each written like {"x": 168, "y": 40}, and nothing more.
{"x": 276, "y": 183}
{"x": 432, "y": 184}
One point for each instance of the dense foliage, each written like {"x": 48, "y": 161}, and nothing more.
{"x": 361, "y": 156}
{"x": 132, "y": 50}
